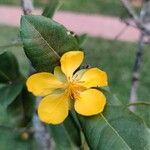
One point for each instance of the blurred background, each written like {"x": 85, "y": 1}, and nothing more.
{"x": 111, "y": 44}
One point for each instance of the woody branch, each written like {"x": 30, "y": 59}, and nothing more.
{"x": 139, "y": 21}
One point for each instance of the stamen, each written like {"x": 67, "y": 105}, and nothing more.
{"x": 73, "y": 88}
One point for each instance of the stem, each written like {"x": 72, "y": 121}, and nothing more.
{"x": 138, "y": 103}
{"x": 136, "y": 71}
{"x": 121, "y": 32}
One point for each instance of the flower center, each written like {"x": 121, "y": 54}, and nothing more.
{"x": 73, "y": 89}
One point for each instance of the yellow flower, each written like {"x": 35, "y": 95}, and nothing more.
{"x": 65, "y": 88}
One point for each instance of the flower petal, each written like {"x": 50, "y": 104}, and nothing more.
{"x": 90, "y": 102}
{"x": 53, "y": 109}
{"x": 94, "y": 77}
{"x": 59, "y": 74}
{"x": 41, "y": 84}
{"x": 70, "y": 61}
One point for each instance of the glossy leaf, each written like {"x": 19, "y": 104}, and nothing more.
{"x": 28, "y": 104}
{"x": 8, "y": 93}
{"x": 81, "y": 39}
{"x": 45, "y": 41}
{"x": 9, "y": 69}
{"x": 10, "y": 79}
{"x": 19, "y": 112}
{"x": 143, "y": 111}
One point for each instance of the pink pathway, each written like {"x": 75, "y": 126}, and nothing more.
{"x": 94, "y": 25}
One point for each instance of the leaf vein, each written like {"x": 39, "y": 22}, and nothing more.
{"x": 43, "y": 39}
{"x": 115, "y": 131}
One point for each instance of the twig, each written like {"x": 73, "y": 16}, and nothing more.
{"x": 141, "y": 25}
{"x": 138, "y": 21}
{"x": 139, "y": 103}
{"x": 129, "y": 22}
{"x": 130, "y": 9}
{"x": 121, "y": 32}
{"x": 27, "y": 6}
{"x": 136, "y": 70}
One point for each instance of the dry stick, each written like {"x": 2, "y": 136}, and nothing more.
{"x": 121, "y": 32}
{"x": 27, "y": 6}
{"x": 127, "y": 24}
{"x": 129, "y": 8}
{"x": 138, "y": 21}
{"x": 41, "y": 132}
{"x": 136, "y": 71}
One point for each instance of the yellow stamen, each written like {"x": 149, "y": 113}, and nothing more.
{"x": 73, "y": 89}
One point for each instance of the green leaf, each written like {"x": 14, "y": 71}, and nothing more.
{"x": 111, "y": 98}
{"x": 82, "y": 38}
{"x": 61, "y": 138}
{"x": 71, "y": 135}
{"x": 45, "y": 41}
{"x": 9, "y": 69}
{"x": 3, "y": 48}
{"x": 9, "y": 92}
{"x": 73, "y": 130}
{"x": 23, "y": 61}
{"x": 115, "y": 128}
{"x": 142, "y": 110}
{"x": 51, "y": 8}
{"x": 19, "y": 113}
{"x": 10, "y": 79}
{"x": 28, "y": 104}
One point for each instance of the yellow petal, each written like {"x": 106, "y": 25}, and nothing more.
{"x": 90, "y": 102}
{"x": 41, "y": 84}
{"x": 94, "y": 77}
{"x": 59, "y": 74}
{"x": 70, "y": 61}
{"x": 53, "y": 109}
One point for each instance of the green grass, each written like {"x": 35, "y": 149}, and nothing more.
{"x": 107, "y": 7}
